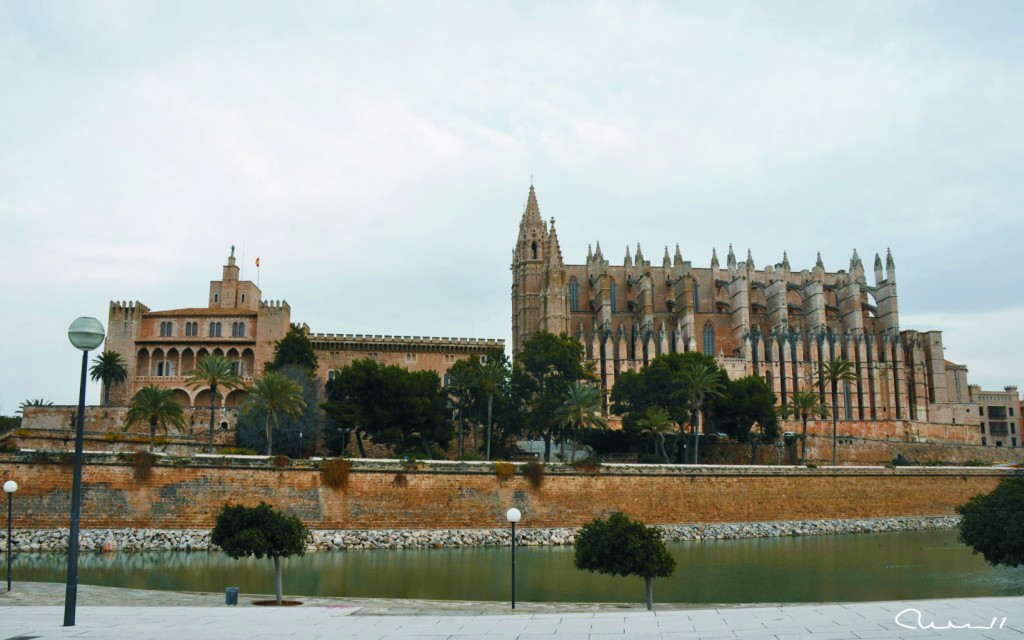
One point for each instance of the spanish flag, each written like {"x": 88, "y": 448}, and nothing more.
{"x": 257, "y": 263}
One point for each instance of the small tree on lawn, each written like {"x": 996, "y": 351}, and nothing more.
{"x": 622, "y": 547}
{"x": 259, "y": 531}
{"x": 991, "y": 523}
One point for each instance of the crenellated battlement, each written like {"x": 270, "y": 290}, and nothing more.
{"x": 128, "y": 308}
{"x": 332, "y": 341}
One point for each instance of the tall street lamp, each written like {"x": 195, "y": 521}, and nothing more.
{"x": 513, "y": 515}
{"x": 9, "y": 488}
{"x": 86, "y": 334}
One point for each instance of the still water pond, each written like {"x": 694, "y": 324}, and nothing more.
{"x": 886, "y": 566}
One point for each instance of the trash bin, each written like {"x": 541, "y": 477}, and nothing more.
{"x": 232, "y": 596}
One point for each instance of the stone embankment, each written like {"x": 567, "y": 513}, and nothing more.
{"x": 55, "y": 540}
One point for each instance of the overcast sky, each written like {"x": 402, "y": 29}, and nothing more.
{"x": 377, "y": 156}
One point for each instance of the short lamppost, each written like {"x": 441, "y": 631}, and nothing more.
{"x": 86, "y": 334}
{"x": 513, "y": 515}
{"x": 9, "y": 488}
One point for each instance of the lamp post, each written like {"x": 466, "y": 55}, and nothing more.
{"x": 9, "y": 488}
{"x": 513, "y": 515}
{"x": 85, "y": 334}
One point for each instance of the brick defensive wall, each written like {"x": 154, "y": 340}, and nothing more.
{"x": 188, "y": 492}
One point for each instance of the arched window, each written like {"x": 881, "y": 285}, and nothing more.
{"x": 574, "y": 292}
{"x": 195, "y": 328}
{"x": 709, "y": 340}
{"x": 213, "y": 329}
{"x": 234, "y": 329}
{"x": 696, "y": 298}
{"x": 241, "y": 329}
{"x": 534, "y": 249}
{"x": 611, "y": 294}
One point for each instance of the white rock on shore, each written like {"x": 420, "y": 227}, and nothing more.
{"x": 109, "y": 540}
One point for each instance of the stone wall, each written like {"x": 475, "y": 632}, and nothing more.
{"x": 183, "y": 493}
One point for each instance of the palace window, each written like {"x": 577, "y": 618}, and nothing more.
{"x": 447, "y": 379}
{"x": 483, "y": 359}
{"x": 243, "y": 297}
{"x": 449, "y": 358}
{"x": 410, "y": 357}
{"x": 166, "y": 329}
{"x": 709, "y": 340}
{"x": 574, "y": 292}
{"x": 215, "y": 329}
{"x": 216, "y": 297}
{"x": 237, "y": 329}
{"x": 983, "y": 427}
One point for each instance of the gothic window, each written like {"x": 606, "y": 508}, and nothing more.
{"x": 696, "y": 298}
{"x": 611, "y": 294}
{"x": 534, "y": 249}
{"x": 234, "y": 329}
{"x": 213, "y": 329}
{"x": 188, "y": 329}
{"x": 241, "y": 329}
{"x": 410, "y": 357}
{"x": 709, "y": 340}
{"x": 574, "y": 292}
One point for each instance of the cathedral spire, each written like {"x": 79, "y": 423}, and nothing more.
{"x": 531, "y": 215}
{"x": 666, "y": 261}
{"x": 639, "y": 255}
{"x": 730, "y": 260}
{"x": 819, "y": 264}
{"x": 890, "y": 266}
{"x": 750, "y": 260}
{"x": 714, "y": 258}
{"x": 590, "y": 254}
{"x": 855, "y": 260}
{"x": 678, "y": 260}
{"x": 597, "y": 252}
{"x": 785, "y": 261}
{"x": 554, "y": 250}
{"x": 629, "y": 259}
{"x": 878, "y": 269}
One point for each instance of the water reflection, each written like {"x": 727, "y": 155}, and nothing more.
{"x": 889, "y": 566}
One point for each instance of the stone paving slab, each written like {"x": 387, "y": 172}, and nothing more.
{"x": 33, "y": 612}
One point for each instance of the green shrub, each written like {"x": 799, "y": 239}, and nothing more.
{"x": 990, "y": 523}
{"x": 590, "y": 464}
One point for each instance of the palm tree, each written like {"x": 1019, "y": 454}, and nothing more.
{"x": 805, "y": 404}
{"x": 834, "y": 372}
{"x": 701, "y": 382}
{"x": 658, "y": 423}
{"x": 458, "y": 389}
{"x": 213, "y": 371}
{"x": 37, "y": 402}
{"x": 272, "y": 395}
{"x": 581, "y": 409}
{"x": 157, "y": 407}
{"x": 110, "y": 368}
{"x": 490, "y": 378}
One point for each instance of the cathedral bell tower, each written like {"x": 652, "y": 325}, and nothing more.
{"x": 539, "y": 283}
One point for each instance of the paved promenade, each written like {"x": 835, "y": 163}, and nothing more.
{"x": 35, "y": 610}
